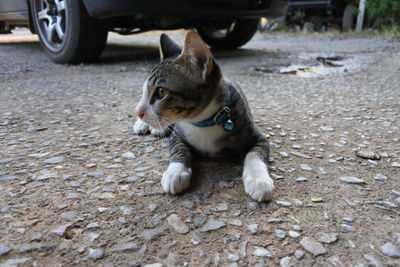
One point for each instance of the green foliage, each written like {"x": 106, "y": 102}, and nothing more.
{"x": 383, "y": 14}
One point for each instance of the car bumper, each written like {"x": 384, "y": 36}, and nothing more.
{"x": 182, "y": 8}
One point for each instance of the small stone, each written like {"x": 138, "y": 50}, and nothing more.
{"x": 130, "y": 246}
{"x": 372, "y": 260}
{"x": 92, "y": 226}
{"x": 128, "y": 155}
{"x": 152, "y": 234}
{"x": 316, "y": 199}
{"x": 283, "y": 204}
{"x": 152, "y": 207}
{"x": 275, "y": 220}
{"x": 390, "y": 250}
{"x": 252, "y": 205}
{"x": 45, "y": 175}
{"x": 54, "y": 160}
{"x": 285, "y": 262}
{"x": 296, "y": 146}
{"x": 122, "y": 220}
{"x": 236, "y": 222}
{"x": 283, "y": 154}
{"x": 280, "y": 234}
{"x": 351, "y": 180}
{"x": 326, "y": 128}
{"x": 328, "y": 238}
{"x": 177, "y": 224}
{"x": 25, "y": 248}
{"x": 300, "y": 155}
{"x": 221, "y": 207}
{"x": 196, "y": 240}
{"x": 312, "y": 246}
{"x": 380, "y": 177}
{"x": 262, "y": 252}
{"x": 348, "y": 219}
{"x": 68, "y": 216}
{"x": 96, "y": 254}
{"x": 188, "y": 204}
{"x": 126, "y": 210}
{"x": 8, "y": 178}
{"x": 212, "y": 225}
{"x": 95, "y": 174}
{"x": 232, "y": 258}
{"x": 6, "y": 160}
{"x": 199, "y": 221}
{"x": 305, "y": 167}
{"x": 4, "y": 249}
{"x": 301, "y": 179}
{"x": 396, "y": 164}
{"x": 61, "y": 230}
{"x": 14, "y": 262}
{"x": 150, "y": 149}
{"x": 243, "y": 249}
{"x": 294, "y": 234}
{"x": 299, "y": 254}
{"x": 347, "y": 228}
{"x": 252, "y": 229}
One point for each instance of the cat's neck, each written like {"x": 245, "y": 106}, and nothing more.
{"x": 215, "y": 104}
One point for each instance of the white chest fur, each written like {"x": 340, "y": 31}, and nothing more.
{"x": 203, "y": 138}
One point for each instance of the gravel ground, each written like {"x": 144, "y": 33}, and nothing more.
{"x": 77, "y": 187}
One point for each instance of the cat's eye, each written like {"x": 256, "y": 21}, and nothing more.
{"x": 161, "y": 92}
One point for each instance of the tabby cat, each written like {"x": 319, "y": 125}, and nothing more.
{"x": 207, "y": 113}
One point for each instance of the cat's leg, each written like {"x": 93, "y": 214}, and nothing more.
{"x": 141, "y": 128}
{"x": 257, "y": 182}
{"x": 177, "y": 177}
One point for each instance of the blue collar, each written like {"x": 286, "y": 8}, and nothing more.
{"x": 221, "y": 117}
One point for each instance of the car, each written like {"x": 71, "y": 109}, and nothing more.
{"x": 338, "y": 9}
{"x": 73, "y": 31}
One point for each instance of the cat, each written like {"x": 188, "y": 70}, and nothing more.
{"x": 208, "y": 114}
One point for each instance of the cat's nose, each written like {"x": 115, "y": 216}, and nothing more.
{"x": 140, "y": 114}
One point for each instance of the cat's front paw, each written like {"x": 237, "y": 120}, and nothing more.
{"x": 159, "y": 132}
{"x": 176, "y": 178}
{"x": 140, "y": 127}
{"x": 259, "y": 188}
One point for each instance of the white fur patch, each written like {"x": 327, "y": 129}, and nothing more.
{"x": 203, "y": 138}
{"x": 141, "y": 127}
{"x": 257, "y": 182}
{"x": 176, "y": 178}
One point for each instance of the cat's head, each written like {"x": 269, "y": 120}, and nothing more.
{"x": 182, "y": 85}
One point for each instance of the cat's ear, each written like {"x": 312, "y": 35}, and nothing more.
{"x": 197, "y": 53}
{"x": 168, "y": 48}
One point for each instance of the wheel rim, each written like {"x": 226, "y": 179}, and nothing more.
{"x": 51, "y": 18}
{"x": 219, "y": 33}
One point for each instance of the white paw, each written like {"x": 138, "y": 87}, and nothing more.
{"x": 257, "y": 182}
{"x": 176, "y": 178}
{"x": 140, "y": 127}
{"x": 159, "y": 132}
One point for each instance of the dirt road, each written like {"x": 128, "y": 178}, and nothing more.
{"x": 78, "y": 188}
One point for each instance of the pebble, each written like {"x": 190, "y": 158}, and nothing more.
{"x": 380, "y": 177}
{"x": 128, "y": 155}
{"x": 130, "y": 246}
{"x": 301, "y": 179}
{"x": 283, "y": 154}
{"x": 243, "y": 249}
{"x": 351, "y": 180}
{"x": 390, "y": 250}
{"x": 328, "y": 238}
{"x": 195, "y": 240}
{"x": 235, "y": 222}
{"x": 4, "y": 249}
{"x": 54, "y": 160}
{"x": 312, "y": 246}
{"x": 326, "y": 128}
{"x": 61, "y": 229}
{"x": 285, "y": 262}
{"x": 68, "y": 216}
{"x": 14, "y": 262}
{"x": 252, "y": 205}
{"x": 6, "y": 160}
{"x": 305, "y": 167}
{"x": 126, "y": 210}
{"x": 95, "y": 174}
{"x": 372, "y": 260}
{"x": 252, "y": 229}
{"x": 152, "y": 234}
{"x": 262, "y": 252}
{"x": 221, "y": 207}
{"x": 294, "y": 234}
{"x": 177, "y": 224}
{"x": 347, "y": 228}
{"x": 212, "y": 225}
{"x": 280, "y": 234}
{"x": 25, "y": 248}
{"x": 348, "y": 219}
{"x": 300, "y": 155}
{"x": 396, "y": 164}
{"x": 92, "y": 226}
{"x": 283, "y": 204}
{"x": 153, "y": 265}
{"x": 199, "y": 221}
{"x": 152, "y": 207}
{"x": 150, "y": 149}
{"x": 122, "y": 220}
{"x": 299, "y": 254}
{"x": 45, "y": 175}
{"x": 232, "y": 258}
{"x": 96, "y": 254}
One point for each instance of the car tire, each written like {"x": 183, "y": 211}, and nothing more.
{"x": 66, "y": 32}
{"x": 236, "y": 34}
{"x": 348, "y": 18}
